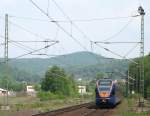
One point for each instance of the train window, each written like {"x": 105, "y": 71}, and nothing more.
{"x": 104, "y": 88}
{"x": 105, "y": 82}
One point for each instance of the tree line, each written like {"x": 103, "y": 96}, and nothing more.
{"x": 134, "y": 72}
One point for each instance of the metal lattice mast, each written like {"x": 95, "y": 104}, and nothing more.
{"x": 6, "y": 39}
{"x": 142, "y": 13}
{"x": 6, "y": 52}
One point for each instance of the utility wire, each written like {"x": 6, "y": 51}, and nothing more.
{"x": 73, "y": 24}
{"x": 61, "y": 27}
{"x": 18, "y": 43}
{"x": 121, "y": 30}
{"x": 30, "y": 52}
{"x": 75, "y": 39}
{"x": 123, "y": 42}
{"x": 48, "y": 7}
{"x": 21, "y": 46}
{"x": 129, "y": 52}
{"x": 108, "y": 50}
{"x": 73, "y": 20}
{"x": 26, "y": 30}
{"x": 31, "y": 49}
{"x": 32, "y": 41}
{"x": 96, "y": 44}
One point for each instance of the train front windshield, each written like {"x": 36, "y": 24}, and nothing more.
{"x": 105, "y": 82}
{"x": 104, "y": 88}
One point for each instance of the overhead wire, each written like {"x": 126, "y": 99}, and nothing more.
{"x": 21, "y": 46}
{"x": 27, "y": 48}
{"x": 114, "y": 42}
{"x": 48, "y": 7}
{"x": 37, "y": 50}
{"x": 131, "y": 50}
{"x": 118, "y": 33}
{"x": 122, "y": 29}
{"x": 73, "y": 20}
{"x": 57, "y": 24}
{"x": 79, "y": 29}
{"x": 61, "y": 27}
{"x": 114, "y": 53}
{"x": 30, "y": 50}
{"x": 76, "y": 26}
{"x": 26, "y": 30}
{"x": 24, "y": 47}
{"x": 49, "y": 56}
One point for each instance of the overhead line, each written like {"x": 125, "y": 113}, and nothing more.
{"x": 31, "y": 49}
{"x": 33, "y": 41}
{"x": 30, "y": 52}
{"x": 70, "y": 20}
{"x": 26, "y": 30}
{"x": 121, "y": 30}
{"x": 73, "y": 20}
{"x": 70, "y": 35}
{"x": 131, "y": 50}
{"x": 123, "y": 42}
{"x": 21, "y": 46}
{"x": 108, "y": 50}
{"x": 85, "y": 34}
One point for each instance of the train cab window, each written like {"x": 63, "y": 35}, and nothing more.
{"x": 105, "y": 82}
{"x": 104, "y": 88}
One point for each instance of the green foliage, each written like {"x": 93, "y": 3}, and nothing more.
{"x": 136, "y": 114}
{"x": 134, "y": 72}
{"x": 18, "y": 75}
{"x": 7, "y": 82}
{"x": 58, "y": 82}
{"x": 100, "y": 75}
{"x": 37, "y": 87}
{"x": 81, "y": 64}
{"x": 49, "y": 96}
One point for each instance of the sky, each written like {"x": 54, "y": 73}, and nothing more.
{"x": 92, "y": 20}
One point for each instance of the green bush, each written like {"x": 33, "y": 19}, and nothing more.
{"x": 49, "y": 96}
{"x": 58, "y": 82}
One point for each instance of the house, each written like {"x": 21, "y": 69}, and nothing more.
{"x": 30, "y": 90}
{"x": 3, "y": 92}
{"x": 82, "y": 89}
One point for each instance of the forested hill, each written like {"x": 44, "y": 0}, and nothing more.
{"x": 81, "y": 64}
{"x": 38, "y": 65}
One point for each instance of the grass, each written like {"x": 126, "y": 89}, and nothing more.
{"x": 131, "y": 103}
{"x": 21, "y": 103}
{"x": 125, "y": 108}
{"x": 136, "y": 114}
{"x": 29, "y": 104}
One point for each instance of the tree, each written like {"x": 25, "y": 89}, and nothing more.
{"x": 58, "y": 82}
{"x": 134, "y": 72}
{"x": 100, "y": 75}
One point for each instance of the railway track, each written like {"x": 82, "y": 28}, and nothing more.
{"x": 87, "y": 109}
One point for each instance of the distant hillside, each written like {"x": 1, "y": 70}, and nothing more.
{"x": 39, "y": 65}
{"x": 81, "y": 64}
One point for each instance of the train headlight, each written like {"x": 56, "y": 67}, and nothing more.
{"x": 104, "y": 94}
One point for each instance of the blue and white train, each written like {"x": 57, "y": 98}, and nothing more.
{"x": 106, "y": 93}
